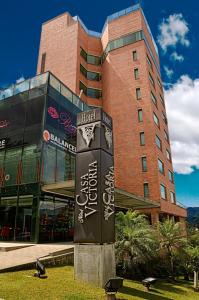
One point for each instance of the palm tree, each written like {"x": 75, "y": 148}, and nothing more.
{"x": 171, "y": 239}
{"x": 135, "y": 239}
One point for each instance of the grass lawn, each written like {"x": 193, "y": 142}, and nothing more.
{"x": 60, "y": 285}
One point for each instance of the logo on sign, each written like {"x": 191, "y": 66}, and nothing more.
{"x": 88, "y": 133}
{"x": 2, "y": 144}
{"x": 46, "y": 135}
{"x": 7, "y": 177}
{"x": 4, "y": 124}
{"x": 59, "y": 142}
{"x": 64, "y": 119}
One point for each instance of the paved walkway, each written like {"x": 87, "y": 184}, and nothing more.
{"x": 29, "y": 254}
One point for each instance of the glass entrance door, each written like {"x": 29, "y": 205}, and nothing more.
{"x": 24, "y": 218}
{"x": 56, "y": 220}
{"x": 8, "y": 208}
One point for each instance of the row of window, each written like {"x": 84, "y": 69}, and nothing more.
{"x": 153, "y": 97}
{"x": 90, "y": 74}
{"x": 159, "y": 145}
{"x": 90, "y": 92}
{"x": 163, "y": 192}
{"x": 135, "y": 58}
{"x": 157, "y": 139}
{"x": 160, "y": 167}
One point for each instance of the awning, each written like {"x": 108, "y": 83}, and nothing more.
{"x": 123, "y": 199}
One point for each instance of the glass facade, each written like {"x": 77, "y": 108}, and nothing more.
{"x": 37, "y": 149}
{"x": 56, "y": 219}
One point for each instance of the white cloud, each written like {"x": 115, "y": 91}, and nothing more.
{"x": 173, "y": 31}
{"x": 177, "y": 57}
{"x": 182, "y": 101}
{"x": 168, "y": 72}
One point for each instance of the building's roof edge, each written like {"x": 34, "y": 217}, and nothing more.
{"x": 48, "y": 21}
{"x": 120, "y": 13}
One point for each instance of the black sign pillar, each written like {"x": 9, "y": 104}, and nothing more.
{"x": 94, "y": 200}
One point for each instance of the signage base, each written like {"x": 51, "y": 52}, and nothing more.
{"x": 94, "y": 263}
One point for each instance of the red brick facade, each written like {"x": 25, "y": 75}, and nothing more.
{"x": 62, "y": 40}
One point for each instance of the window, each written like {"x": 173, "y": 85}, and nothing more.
{"x": 160, "y": 166}
{"x": 164, "y": 117}
{"x": 140, "y": 115}
{"x": 172, "y": 197}
{"x": 90, "y": 92}
{"x": 123, "y": 41}
{"x": 93, "y": 60}
{"x": 149, "y": 62}
{"x": 90, "y": 75}
{"x": 171, "y": 178}
{"x": 11, "y": 165}
{"x": 83, "y": 70}
{"x": 30, "y": 164}
{"x": 158, "y": 142}
{"x": 90, "y": 59}
{"x": 151, "y": 80}
{"x": 136, "y": 73}
{"x": 83, "y": 87}
{"x": 142, "y": 139}
{"x": 43, "y": 62}
{"x": 94, "y": 76}
{"x": 162, "y": 100}
{"x": 156, "y": 120}
{"x": 146, "y": 189}
{"x": 144, "y": 163}
{"x": 166, "y": 136}
{"x": 154, "y": 99}
{"x": 83, "y": 54}
{"x": 135, "y": 55}
{"x": 168, "y": 155}
{"x": 138, "y": 93}
{"x": 163, "y": 192}
{"x": 94, "y": 93}
{"x": 159, "y": 83}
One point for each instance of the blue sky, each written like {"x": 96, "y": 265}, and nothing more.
{"x": 174, "y": 23}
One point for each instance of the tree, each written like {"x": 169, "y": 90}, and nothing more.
{"x": 171, "y": 239}
{"x": 189, "y": 254}
{"x": 135, "y": 239}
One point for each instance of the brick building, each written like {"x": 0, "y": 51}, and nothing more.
{"x": 119, "y": 71}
